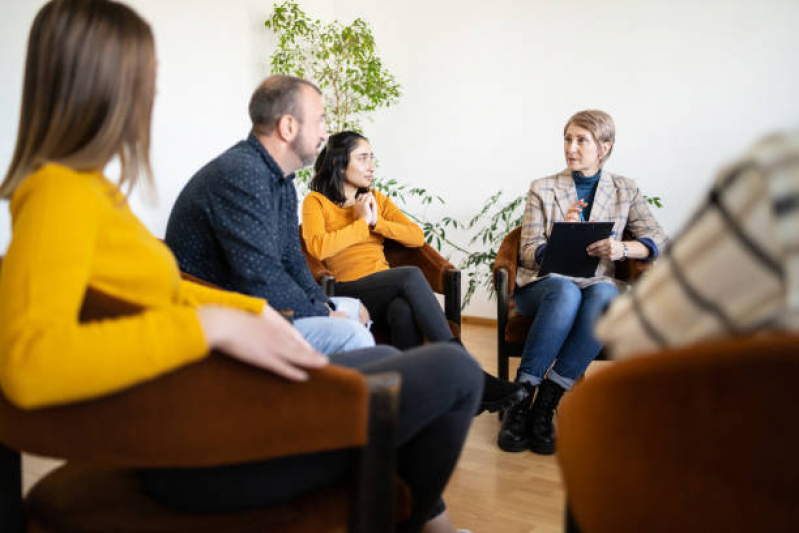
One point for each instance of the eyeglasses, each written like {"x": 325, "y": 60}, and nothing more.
{"x": 364, "y": 158}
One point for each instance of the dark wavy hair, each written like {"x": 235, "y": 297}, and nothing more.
{"x": 331, "y": 164}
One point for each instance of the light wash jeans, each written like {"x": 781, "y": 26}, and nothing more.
{"x": 562, "y": 330}
{"x": 332, "y": 334}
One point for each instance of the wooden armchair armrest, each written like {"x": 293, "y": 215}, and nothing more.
{"x": 443, "y": 277}
{"x": 507, "y": 260}
{"x": 217, "y": 411}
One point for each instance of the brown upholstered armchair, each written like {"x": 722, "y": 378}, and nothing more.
{"x": 214, "y": 412}
{"x": 695, "y": 439}
{"x": 512, "y": 326}
{"x": 442, "y": 275}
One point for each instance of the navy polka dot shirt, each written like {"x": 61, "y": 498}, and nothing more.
{"x": 235, "y": 225}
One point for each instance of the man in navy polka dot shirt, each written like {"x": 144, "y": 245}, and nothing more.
{"x": 235, "y": 223}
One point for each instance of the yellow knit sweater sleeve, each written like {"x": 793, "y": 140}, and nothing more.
{"x": 393, "y": 224}
{"x": 322, "y": 243}
{"x": 195, "y": 295}
{"x": 46, "y": 355}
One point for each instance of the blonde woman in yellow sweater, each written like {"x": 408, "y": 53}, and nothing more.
{"x": 87, "y": 99}
{"x": 344, "y": 224}
{"x": 73, "y": 229}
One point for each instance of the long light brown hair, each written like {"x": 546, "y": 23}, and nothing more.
{"x": 88, "y": 92}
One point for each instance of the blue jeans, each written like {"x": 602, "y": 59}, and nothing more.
{"x": 332, "y": 334}
{"x": 562, "y": 331}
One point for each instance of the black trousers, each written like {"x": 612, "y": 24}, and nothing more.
{"x": 441, "y": 388}
{"x": 402, "y": 299}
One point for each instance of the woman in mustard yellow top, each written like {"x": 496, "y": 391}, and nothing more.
{"x": 87, "y": 99}
{"x": 344, "y": 224}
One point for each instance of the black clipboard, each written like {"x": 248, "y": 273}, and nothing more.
{"x": 565, "y": 253}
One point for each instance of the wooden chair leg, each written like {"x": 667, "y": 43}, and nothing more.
{"x": 452, "y": 296}
{"x": 11, "y": 517}
{"x": 502, "y": 322}
{"x": 375, "y": 485}
{"x": 571, "y": 524}
{"x": 328, "y": 284}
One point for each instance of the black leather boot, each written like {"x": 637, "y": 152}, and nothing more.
{"x": 499, "y": 394}
{"x": 513, "y": 433}
{"x": 541, "y": 433}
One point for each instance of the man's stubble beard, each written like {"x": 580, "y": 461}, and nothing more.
{"x": 296, "y": 147}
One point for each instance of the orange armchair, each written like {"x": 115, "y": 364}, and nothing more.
{"x": 703, "y": 438}
{"x": 512, "y": 326}
{"x": 202, "y": 415}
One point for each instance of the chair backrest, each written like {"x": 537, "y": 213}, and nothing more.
{"x": 702, "y": 438}
{"x": 426, "y": 258}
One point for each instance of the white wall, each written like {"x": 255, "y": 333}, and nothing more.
{"x": 487, "y": 87}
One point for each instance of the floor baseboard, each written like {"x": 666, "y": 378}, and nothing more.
{"x": 478, "y": 320}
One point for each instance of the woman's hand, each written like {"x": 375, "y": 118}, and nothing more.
{"x": 607, "y": 249}
{"x": 267, "y": 341}
{"x": 573, "y": 214}
{"x": 373, "y": 210}
{"x": 362, "y": 209}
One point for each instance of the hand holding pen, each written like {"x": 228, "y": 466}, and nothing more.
{"x": 575, "y": 212}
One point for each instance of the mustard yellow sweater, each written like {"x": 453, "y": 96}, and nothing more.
{"x": 73, "y": 230}
{"x": 346, "y": 244}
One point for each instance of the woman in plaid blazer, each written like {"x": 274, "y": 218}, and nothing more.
{"x": 560, "y": 339}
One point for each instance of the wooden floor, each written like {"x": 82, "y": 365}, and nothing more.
{"x": 491, "y": 491}
{"x": 494, "y": 491}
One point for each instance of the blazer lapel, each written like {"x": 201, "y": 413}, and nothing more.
{"x": 565, "y": 192}
{"x": 603, "y": 199}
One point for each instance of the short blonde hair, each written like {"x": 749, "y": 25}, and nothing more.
{"x": 601, "y": 126}
{"x": 88, "y": 91}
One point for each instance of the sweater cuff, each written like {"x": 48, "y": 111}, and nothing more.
{"x": 653, "y": 248}
{"x": 196, "y": 345}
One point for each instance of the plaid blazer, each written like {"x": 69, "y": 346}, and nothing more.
{"x": 617, "y": 200}
{"x": 733, "y": 270}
